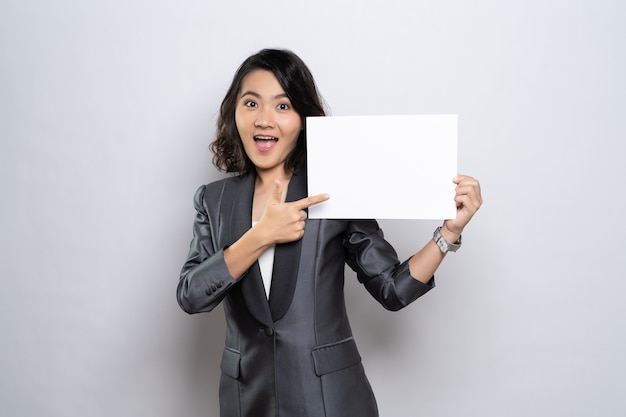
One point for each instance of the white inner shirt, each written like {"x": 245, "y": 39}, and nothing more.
{"x": 266, "y": 264}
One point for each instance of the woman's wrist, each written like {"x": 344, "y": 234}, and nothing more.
{"x": 448, "y": 235}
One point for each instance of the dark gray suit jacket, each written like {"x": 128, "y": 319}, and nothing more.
{"x": 293, "y": 356}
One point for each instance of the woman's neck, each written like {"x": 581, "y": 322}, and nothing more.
{"x": 265, "y": 179}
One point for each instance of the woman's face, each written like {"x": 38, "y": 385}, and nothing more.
{"x": 267, "y": 123}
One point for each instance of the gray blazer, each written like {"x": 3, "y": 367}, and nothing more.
{"x": 293, "y": 355}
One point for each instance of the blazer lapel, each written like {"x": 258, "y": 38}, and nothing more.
{"x": 236, "y": 212}
{"x": 287, "y": 257}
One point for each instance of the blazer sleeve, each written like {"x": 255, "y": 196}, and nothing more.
{"x": 204, "y": 279}
{"x": 378, "y": 268}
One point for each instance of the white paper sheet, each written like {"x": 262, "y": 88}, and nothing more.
{"x": 383, "y": 167}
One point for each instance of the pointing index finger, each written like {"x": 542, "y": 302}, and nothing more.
{"x": 310, "y": 201}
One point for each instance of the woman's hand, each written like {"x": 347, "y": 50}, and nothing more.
{"x": 280, "y": 223}
{"x": 468, "y": 201}
{"x": 284, "y": 222}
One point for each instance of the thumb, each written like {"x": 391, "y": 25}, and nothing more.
{"x": 277, "y": 194}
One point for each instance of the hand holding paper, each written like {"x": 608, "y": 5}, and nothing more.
{"x": 468, "y": 200}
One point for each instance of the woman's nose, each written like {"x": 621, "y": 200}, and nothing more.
{"x": 264, "y": 119}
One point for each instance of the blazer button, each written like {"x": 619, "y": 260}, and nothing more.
{"x": 268, "y": 331}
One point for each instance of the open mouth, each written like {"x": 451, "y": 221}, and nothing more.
{"x": 265, "y": 142}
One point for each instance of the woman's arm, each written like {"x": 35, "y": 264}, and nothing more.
{"x": 468, "y": 200}
{"x": 204, "y": 278}
{"x": 394, "y": 284}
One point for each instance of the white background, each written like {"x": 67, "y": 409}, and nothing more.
{"x": 106, "y": 112}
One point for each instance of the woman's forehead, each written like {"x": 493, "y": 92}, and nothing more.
{"x": 261, "y": 82}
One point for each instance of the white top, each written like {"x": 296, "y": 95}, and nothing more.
{"x": 266, "y": 264}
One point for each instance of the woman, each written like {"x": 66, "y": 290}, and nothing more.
{"x": 289, "y": 348}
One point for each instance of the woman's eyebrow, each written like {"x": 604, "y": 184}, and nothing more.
{"x": 257, "y": 95}
{"x": 250, "y": 93}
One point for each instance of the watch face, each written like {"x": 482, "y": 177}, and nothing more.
{"x": 440, "y": 241}
{"x": 443, "y": 244}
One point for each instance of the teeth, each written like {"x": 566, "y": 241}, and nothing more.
{"x": 265, "y": 138}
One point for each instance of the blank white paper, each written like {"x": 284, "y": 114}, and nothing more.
{"x": 383, "y": 167}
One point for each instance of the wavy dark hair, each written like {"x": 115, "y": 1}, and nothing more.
{"x": 297, "y": 81}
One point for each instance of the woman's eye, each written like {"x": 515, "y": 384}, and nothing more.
{"x": 249, "y": 103}
{"x": 283, "y": 106}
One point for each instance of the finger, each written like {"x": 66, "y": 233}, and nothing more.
{"x": 310, "y": 201}
{"x": 471, "y": 188}
{"x": 278, "y": 195}
{"x": 467, "y": 183}
{"x": 467, "y": 203}
{"x": 460, "y": 177}
{"x": 464, "y": 179}
{"x": 466, "y": 190}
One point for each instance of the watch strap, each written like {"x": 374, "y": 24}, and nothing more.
{"x": 443, "y": 244}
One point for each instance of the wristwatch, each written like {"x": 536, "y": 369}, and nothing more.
{"x": 443, "y": 244}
